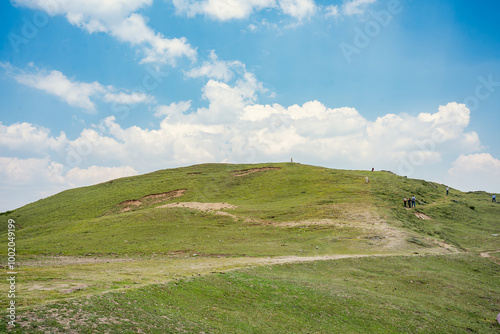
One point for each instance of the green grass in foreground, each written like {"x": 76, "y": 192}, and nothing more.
{"x": 432, "y": 294}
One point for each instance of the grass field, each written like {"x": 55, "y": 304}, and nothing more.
{"x": 111, "y": 258}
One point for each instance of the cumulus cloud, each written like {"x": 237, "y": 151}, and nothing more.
{"x": 174, "y": 110}
{"x": 233, "y": 122}
{"x": 27, "y": 138}
{"x": 77, "y": 94}
{"x": 234, "y": 128}
{"x": 28, "y": 180}
{"x": 119, "y": 19}
{"x": 482, "y": 162}
{"x": 480, "y": 171}
{"x": 226, "y": 101}
{"x": 96, "y": 174}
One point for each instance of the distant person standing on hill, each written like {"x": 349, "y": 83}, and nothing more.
{"x": 447, "y": 191}
{"x": 404, "y": 201}
{"x": 413, "y": 200}
{"x": 493, "y": 198}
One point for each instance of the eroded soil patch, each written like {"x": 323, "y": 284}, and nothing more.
{"x": 200, "y": 206}
{"x": 422, "y": 216}
{"x": 147, "y": 200}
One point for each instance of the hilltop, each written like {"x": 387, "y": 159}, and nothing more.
{"x": 289, "y": 196}
{"x": 160, "y": 227}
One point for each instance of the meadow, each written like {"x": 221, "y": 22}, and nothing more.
{"x": 284, "y": 248}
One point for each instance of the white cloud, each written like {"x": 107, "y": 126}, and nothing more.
{"x": 26, "y": 171}
{"x": 482, "y": 162}
{"x": 298, "y": 9}
{"x": 118, "y": 18}
{"x": 356, "y": 7}
{"x": 216, "y": 69}
{"x": 77, "y": 94}
{"x": 124, "y": 98}
{"x": 222, "y": 10}
{"x": 96, "y": 174}
{"x": 156, "y": 47}
{"x": 234, "y": 128}
{"x": 174, "y": 110}
{"x": 28, "y": 180}
{"x": 27, "y": 138}
{"x": 91, "y": 15}
{"x": 332, "y": 11}
{"x": 227, "y": 102}
{"x": 233, "y": 122}
{"x": 252, "y": 27}
{"x": 479, "y": 171}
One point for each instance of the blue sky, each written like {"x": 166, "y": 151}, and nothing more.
{"x": 95, "y": 90}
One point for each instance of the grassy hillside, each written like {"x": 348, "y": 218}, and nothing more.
{"x": 140, "y": 237}
{"x": 89, "y": 220}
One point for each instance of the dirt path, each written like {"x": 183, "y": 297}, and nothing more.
{"x": 200, "y": 206}
{"x": 489, "y": 256}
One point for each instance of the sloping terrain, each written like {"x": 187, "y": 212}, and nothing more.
{"x": 163, "y": 227}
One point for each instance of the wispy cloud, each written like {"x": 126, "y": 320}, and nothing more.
{"x": 221, "y": 10}
{"x": 224, "y": 10}
{"x": 299, "y": 9}
{"x": 119, "y": 19}
{"x": 75, "y": 93}
{"x": 214, "y": 68}
{"x": 332, "y": 11}
{"x": 355, "y": 7}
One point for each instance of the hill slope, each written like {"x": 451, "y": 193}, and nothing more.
{"x": 163, "y": 227}
{"x": 269, "y": 200}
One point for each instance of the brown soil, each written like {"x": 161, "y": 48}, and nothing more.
{"x": 201, "y": 206}
{"x": 253, "y": 170}
{"x": 150, "y": 199}
{"x": 491, "y": 257}
{"x": 131, "y": 202}
{"x": 167, "y": 195}
{"x": 422, "y": 216}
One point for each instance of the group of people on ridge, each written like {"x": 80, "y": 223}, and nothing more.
{"x": 411, "y": 201}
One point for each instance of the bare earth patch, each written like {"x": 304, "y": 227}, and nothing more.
{"x": 422, "y": 216}
{"x": 150, "y": 199}
{"x": 491, "y": 257}
{"x": 200, "y": 206}
{"x": 132, "y": 202}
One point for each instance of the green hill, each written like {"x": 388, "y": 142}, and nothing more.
{"x": 134, "y": 233}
